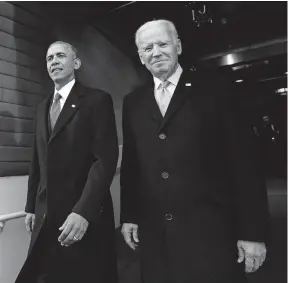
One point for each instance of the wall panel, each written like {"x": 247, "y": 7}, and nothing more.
{"x": 14, "y": 168}
{"x": 9, "y": 41}
{"x": 21, "y": 31}
{"x": 15, "y": 125}
{"x": 19, "y": 98}
{"x": 16, "y": 139}
{"x": 15, "y": 154}
{"x": 16, "y": 83}
{"x": 24, "y": 38}
{"x": 22, "y": 16}
{"x": 21, "y": 59}
{"x": 17, "y": 111}
{"x": 15, "y": 70}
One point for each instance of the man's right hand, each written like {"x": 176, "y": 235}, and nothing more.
{"x": 29, "y": 222}
{"x": 130, "y": 234}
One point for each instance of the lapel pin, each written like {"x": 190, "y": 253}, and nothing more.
{"x": 188, "y": 84}
{"x": 73, "y": 105}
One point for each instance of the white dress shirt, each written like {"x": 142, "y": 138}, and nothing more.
{"x": 64, "y": 92}
{"x": 174, "y": 79}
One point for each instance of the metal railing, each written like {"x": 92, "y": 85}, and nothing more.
{"x": 14, "y": 215}
{"x": 10, "y": 216}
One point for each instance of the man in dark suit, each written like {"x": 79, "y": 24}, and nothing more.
{"x": 69, "y": 206}
{"x": 192, "y": 200}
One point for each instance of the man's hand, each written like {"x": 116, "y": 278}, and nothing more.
{"x": 29, "y": 222}
{"x": 73, "y": 229}
{"x": 254, "y": 254}
{"x": 130, "y": 234}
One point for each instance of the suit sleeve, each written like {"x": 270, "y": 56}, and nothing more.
{"x": 249, "y": 188}
{"x": 104, "y": 149}
{"x": 129, "y": 171}
{"x": 34, "y": 176}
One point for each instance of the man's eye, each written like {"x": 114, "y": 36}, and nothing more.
{"x": 163, "y": 44}
{"x": 147, "y": 49}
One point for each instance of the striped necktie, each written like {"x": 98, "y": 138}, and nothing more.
{"x": 55, "y": 110}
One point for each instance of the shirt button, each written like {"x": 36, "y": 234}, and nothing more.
{"x": 162, "y": 136}
{"x": 165, "y": 175}
{"x": 168, "y": 216}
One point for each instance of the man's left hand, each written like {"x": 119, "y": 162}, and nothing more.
{"x": 254, "y": 254}
{"x": 73, "y": 229}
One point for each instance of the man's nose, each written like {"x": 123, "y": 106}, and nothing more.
{"x": 54, "y": 61}
{"x": 156, "y": 51}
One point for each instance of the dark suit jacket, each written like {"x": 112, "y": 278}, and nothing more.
{"x": 191, "y": 182}
{"x": 71, "y": 171}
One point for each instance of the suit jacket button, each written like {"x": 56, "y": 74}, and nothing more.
{"x": 44, "y": 215}
{"x": 165, "y": 175}
{"x": 162, "y": 136}
{"x": 168, "y": 216}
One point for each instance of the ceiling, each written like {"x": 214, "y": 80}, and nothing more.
{"x": 257, "y": 29}
{"x": 234, "y": 24}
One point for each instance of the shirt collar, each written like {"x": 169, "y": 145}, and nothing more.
{"x": 174, "y": 79}
{"x": 65, "y": 90}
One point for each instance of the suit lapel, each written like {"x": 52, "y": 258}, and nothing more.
{"x": 151, "y": 105}
{"x": 70, "y": 107}
{"x": 178, "y": 98}
{"x": 43, "y": 117}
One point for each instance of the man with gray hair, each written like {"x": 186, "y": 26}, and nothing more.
{"x": 193, "y": 202}
{"x": 69, "y": 206}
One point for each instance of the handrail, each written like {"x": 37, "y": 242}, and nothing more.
{"x": 13, "y": 215}
{"x": 9, "y": 216}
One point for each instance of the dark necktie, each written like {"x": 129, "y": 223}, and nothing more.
{"x": 55, "y": 110}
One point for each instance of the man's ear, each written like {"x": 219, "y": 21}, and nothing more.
{"x": 77, "y": 63}
{"x": 141, "y": 57}
{"x": 179, "y": 47}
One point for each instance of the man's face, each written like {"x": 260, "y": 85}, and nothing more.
{"x": 61, "y": 63}
{"x": 158, "y": 50}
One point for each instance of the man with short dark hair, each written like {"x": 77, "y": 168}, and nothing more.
{"x": 191, "y": 194}
{"x": 69, "y": 206}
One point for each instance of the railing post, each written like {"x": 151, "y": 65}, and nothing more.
{"x": 2, "y": 223}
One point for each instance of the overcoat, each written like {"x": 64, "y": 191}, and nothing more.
{"x": 71, "y": 171}
{"x": 191, "y": 182}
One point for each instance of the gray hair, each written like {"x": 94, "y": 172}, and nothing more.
{"x": 170, "y": 25}
{"x": 70, "y": 46}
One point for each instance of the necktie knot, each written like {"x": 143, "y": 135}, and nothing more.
{"x": 164, "y": 85}
{"x": 57, "y": 97}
